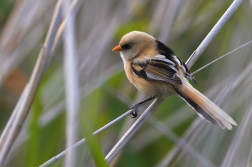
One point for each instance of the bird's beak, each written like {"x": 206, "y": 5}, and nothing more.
{"x": 117, "y": 48}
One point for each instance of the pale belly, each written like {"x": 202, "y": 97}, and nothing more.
{"x": 154, "y": 88}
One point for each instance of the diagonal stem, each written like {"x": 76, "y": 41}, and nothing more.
{"x": 201, "y": 48}
{"x": 23, "y": 106}
{"x": 133, "y": 129}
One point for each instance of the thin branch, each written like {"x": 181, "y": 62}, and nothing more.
{"x": 196, "y": 54}
{"x": 221, "y": 57}
{"x": 81, "y": 142}
{"x": 132, "y": 130}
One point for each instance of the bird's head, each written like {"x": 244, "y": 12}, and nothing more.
{"x": 133, "y": 44}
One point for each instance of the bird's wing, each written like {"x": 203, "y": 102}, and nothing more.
{"x": 157, "y": 68}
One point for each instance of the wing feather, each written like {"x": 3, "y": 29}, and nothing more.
{"x": 158, "y": 68}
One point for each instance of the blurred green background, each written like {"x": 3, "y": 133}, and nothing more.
{"x": 106, "y": 93}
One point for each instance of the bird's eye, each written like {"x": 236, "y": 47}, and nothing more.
{"x": 127, "y": 46}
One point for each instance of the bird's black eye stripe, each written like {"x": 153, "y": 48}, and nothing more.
{"x": 127, "y": 46}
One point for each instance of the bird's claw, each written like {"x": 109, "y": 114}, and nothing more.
{"x": 133, "y": 114}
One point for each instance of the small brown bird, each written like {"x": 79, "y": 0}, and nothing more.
{"x": 154, "y": 70}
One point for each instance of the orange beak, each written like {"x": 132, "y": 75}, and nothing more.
{"x": 117, "y": 48}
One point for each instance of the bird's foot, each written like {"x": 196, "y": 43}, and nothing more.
{"x": 135, "y": 107}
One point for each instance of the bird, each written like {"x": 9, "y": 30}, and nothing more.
{"x": 155, "y": 70}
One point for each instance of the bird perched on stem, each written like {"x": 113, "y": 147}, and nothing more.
{"x": 155, "y": 70}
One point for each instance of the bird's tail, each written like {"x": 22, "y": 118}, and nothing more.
{"x": 204, "y": 107}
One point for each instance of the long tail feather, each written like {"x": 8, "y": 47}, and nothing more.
{"x": 204, "y": 107}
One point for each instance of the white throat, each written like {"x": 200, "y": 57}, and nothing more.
{"x": 123, "y": 57}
